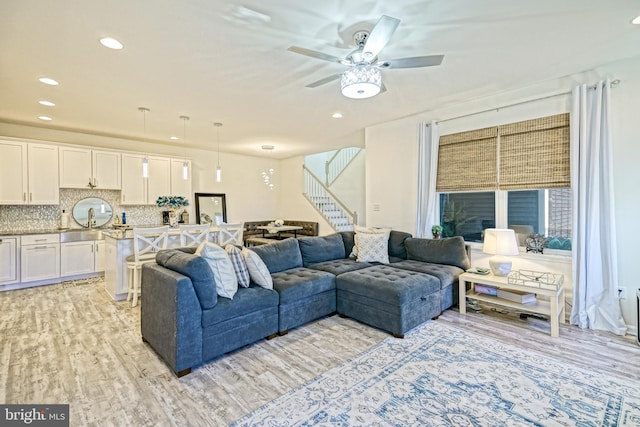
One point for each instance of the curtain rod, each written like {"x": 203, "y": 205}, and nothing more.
{"x": 614, "y": 83}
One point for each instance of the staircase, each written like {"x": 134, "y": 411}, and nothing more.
{"x": 340, "y": 218}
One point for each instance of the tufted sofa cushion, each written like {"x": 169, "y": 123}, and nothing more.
{"x": 281, "y": 255}
{"x": 450, "y": 251}
{"x": 447, "y": 274}
{"x": 196, "y": 269}
{"x": 321, "y": 249}
{"x": 299, "y": 283}
{"x": 389, "y": 285}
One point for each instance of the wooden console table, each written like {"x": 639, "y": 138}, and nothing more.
{"x": 554, "y": 308}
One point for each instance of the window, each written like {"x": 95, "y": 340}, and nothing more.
{"x": 467, "y": 214}
{"x": 546, "y": 212}
{"x": 514, "y": 175}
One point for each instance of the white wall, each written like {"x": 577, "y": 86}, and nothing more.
{"x": 392, "y": 167}
{"x": 391, "y": 175}
{"x": 350, "y": 186}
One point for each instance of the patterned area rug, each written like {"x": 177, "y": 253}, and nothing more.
{"x": 444, "y": 376}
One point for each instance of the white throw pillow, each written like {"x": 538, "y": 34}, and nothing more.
{"x": 222, "y": 268}
{"x": 372, "y": 247}
{"x": 257, "y": 269}
{"x": 371, "y": 230}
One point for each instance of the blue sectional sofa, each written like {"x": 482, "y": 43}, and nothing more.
{"x": 187, "y": 324}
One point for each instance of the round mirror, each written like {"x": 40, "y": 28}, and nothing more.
{"x": 92, "y": 212}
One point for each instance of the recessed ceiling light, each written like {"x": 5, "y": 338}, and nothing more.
{"x": 45, "y": 118}
{"x": 174, "y": 138}
{"x": 111, "y": 43}
{"x": 337, "y": 115}
{"x": 47, "y": 103}
{"x": 636, "y": 20}
{"x": 48, "y": 81}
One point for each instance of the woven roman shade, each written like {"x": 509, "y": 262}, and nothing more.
{"x": 467, "y": 161}
{"x": 535, "y": 154}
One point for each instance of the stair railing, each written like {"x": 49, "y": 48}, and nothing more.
{"x": 339, "y": 162}
{"x": 315, "y": 190}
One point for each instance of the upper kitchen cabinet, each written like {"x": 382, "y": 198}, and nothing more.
{"x": 137, "y": 190}
{"x": 86, "y": 168}
{"x": 27, "y": 174}
{"x": 179, "y": 185}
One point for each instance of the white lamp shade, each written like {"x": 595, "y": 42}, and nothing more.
{"x": 500, "y": 241}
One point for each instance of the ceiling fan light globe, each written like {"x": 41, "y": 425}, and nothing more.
{"x": 361, "y": 82}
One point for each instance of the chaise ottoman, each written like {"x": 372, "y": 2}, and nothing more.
{"x": 391, "y": 299}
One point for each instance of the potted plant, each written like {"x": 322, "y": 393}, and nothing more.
{"x": 173, "y": 204}
{"x": 436, "y": 230}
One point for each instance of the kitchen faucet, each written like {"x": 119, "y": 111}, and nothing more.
{"x": 90, "y": 215}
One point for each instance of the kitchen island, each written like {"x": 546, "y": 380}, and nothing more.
{"x": 118, "y": 246}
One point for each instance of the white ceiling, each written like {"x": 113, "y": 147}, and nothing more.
{"x": 227, "y": 61}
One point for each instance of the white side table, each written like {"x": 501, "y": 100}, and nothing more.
{"x": 554, "y": 308}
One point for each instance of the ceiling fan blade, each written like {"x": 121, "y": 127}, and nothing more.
{"x": 325, "y": 80}
{"x": 315, "y": 54}
{"x": 414, "y": 62}
{"x": 380, "y": 36}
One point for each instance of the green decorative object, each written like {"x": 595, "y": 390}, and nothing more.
{"x": 436, "y": 230}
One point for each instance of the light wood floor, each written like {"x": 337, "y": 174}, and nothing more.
{"x": 69, "y": 343}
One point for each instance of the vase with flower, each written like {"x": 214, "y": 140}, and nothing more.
{"x": 173, "y": 204}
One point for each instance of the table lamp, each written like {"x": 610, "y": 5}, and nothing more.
{"x": 501, "y": 243}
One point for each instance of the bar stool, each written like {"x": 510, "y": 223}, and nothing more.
{"x": 231, "y": 234}
{"x": 146, "y": 243}
{"x": 193, "y": 235}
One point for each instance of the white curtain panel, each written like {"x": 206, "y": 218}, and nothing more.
{"x": 428, "y": 143}
{"x": 595, "y": 277}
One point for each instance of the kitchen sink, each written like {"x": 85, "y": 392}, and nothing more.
{"x": 80, "y": 235}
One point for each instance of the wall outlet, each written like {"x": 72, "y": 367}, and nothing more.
{"x": 622, "y": 293}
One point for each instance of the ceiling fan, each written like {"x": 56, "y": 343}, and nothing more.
{"x": 363, "y": 78}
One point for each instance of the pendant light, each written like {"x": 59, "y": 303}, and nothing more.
{"x": 185, "y": 164}
{"x": 266, "y": 175}
{"x": 145, "y": 161}
{"x": 218, "y": 168}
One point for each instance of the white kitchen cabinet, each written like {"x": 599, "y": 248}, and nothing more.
{"x": 81, "y": 257}
{"x": 159, "y": 181}
{"x": 134, "y": 186}
{"x": 27, "y": 174}
{"x": 99, "y": 255}
{"x": 13, "y": 173}
{"x": 8, "y": 260}
{"x": 43, "y": 175}
{"x": 40, "y": 257}
{"x": 137, "y": 190}
{"x": 86, "y": 168}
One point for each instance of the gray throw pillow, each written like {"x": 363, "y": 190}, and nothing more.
{"x": 448, "y": 251}
{"x": 320, "y": 249}
{"x": 396, "y": 244}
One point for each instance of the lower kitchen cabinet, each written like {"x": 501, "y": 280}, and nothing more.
{"x": 40, "y": 257}
{"x": 81, "y": 257}
{"x": 9, "y": 260}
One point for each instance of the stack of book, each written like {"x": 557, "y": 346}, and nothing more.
{"x": 517, "y": 296}
{"x": 511, "y": 295}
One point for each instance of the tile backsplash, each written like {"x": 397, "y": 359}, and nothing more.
{"x": 47, "y": 217}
